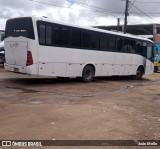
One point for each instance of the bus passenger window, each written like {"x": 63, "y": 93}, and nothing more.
{"x": 86, "y": 38}
{"x": 42, "y": 34}
{"x": 66, "y": 36}
{"x": 125, "y": 46}
{"x": 103, "y": 42}
{"x": 95, "y": 41}
{"x": 131, "y": 47}
{"x": 76, "y": 37}
{"x": 119, "y": 44}
{"x": 139, "y": 48}
{"x": 48, "y": 35}
{"x": 111, "y": 44}
{"x": 57, "y": 34}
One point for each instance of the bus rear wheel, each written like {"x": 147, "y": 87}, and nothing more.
{"x": 88, "y": 73}
{"x": 139, "y": 74}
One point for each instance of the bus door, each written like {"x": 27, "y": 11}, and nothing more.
{"x": 150, "y": 58}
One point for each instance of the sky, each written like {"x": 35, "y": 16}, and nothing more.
{"x": 82, "y": 12}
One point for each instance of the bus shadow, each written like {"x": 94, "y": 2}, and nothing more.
{"x": 68, "y": 81}
{"x": 119, "y": 78}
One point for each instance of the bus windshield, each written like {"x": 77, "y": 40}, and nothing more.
{"x": 20, "y": 27}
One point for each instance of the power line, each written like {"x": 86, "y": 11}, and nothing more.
{"x": 90, "y": 9}
{"x": 97, "y": 9}
{"x": 131, "y": 5}
{"x": 147, "y": 2}
{"x": 144, "y": 13}
{"x": 135, "y": 1}
{"x": 152, "y": 13}
{"x": 47, "y": 4}
{"x": 101, "y": 10}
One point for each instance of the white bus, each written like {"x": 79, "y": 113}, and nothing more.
{"x": 38, "y": 46}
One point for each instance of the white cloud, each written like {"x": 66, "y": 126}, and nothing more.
{"x": 106, "y": 20}
{"x": 2, "y": 24}
{"x": 86, "y": 13}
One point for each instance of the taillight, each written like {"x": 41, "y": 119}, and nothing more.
{"x": 29, "y": 58}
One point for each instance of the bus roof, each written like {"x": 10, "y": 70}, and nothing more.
{"x": 35, "y": 18}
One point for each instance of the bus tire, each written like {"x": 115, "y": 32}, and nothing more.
{"x": 155, "y": 68}
{"x": 88, "y": 73}
{"x": 139, "y": 74}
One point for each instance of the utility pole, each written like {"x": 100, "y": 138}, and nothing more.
{"x": 118, "y": 23}
{"x": 126, "y": 15}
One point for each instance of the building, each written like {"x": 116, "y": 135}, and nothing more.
{"x": 151, "y": 31}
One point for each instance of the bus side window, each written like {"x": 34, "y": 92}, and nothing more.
{"x": 42, "y": 34}
{"x": 128, "y": 46}
{"x": 48, "y": 35}
{"x": 76, "y": 37}
{"x": 65, "y": 36}
{"x": 139, "y": 47}
{"x": 86, "y": 39}
{"x": 103, "y": 42}
{"x": 95, "y": 41}
{"x": 131, "y": 47}
{"x": 57, "y": 35}
{"x": 111, "y": 43}
{"x": 119, "y": 44}
{"x": 125, "y": 46}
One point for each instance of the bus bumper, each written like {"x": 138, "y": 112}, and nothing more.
{"x": 21, "y": 69}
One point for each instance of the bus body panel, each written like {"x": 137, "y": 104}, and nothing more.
{"x": 107, "y": 70}
{"x": 103, "y": 62}
{"x": 16, "y": 53}
{"x": 56, "y": 64}
{"x": 119, "y": 63}
{"x": 52, "y": 69}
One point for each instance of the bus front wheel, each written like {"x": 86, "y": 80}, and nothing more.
{"x": 88, "y": 73}
{"x": 139, "y": 74}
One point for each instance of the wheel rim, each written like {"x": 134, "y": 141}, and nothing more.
{"x": 88, "y": 74}
{"x": 138, "y": 74}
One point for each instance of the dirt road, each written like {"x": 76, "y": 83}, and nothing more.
{"x": 112, "y": 108}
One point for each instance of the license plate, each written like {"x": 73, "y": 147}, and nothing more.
{"x": 16, "y": 70}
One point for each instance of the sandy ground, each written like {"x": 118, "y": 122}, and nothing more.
{"x": 111, "y": 108}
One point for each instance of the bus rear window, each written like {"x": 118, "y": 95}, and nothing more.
{"x": 20, "y": 27}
